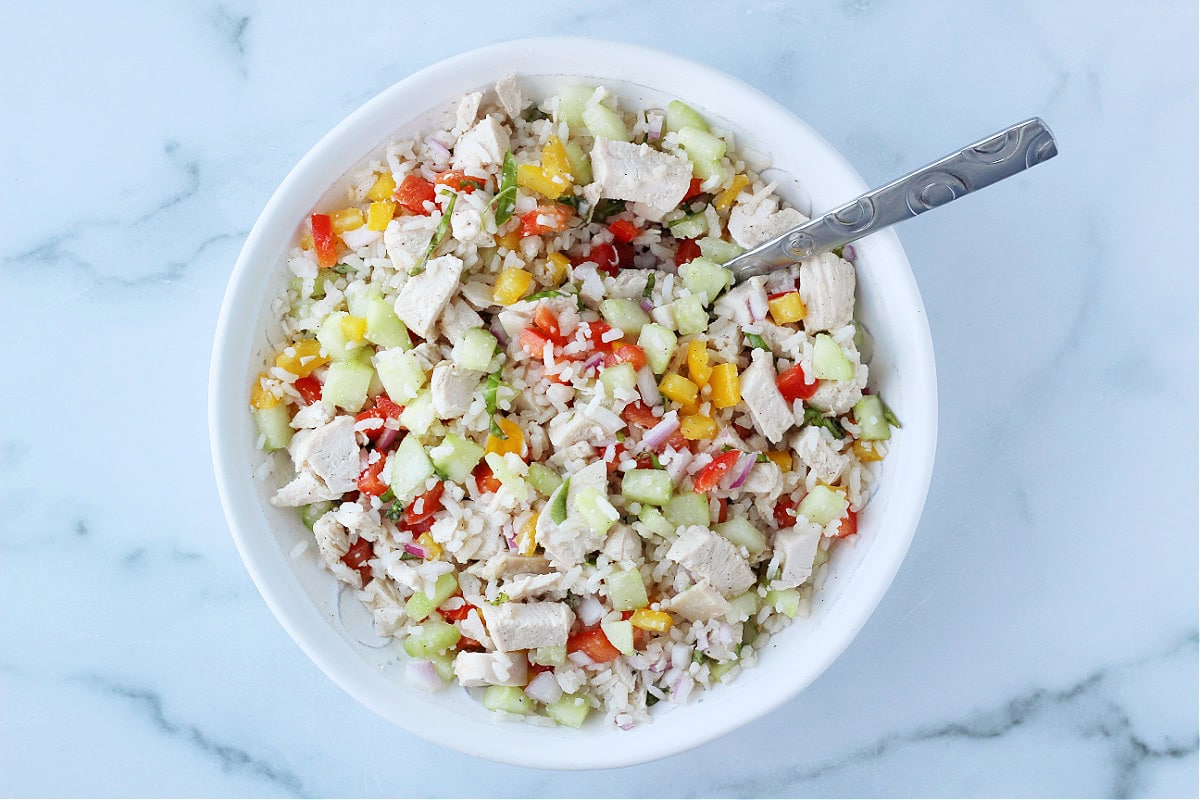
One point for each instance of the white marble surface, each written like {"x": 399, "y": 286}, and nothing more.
{"x": 1041, "y": 638}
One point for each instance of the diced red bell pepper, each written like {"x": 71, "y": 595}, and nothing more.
{"x": 468, "y": 644}
{"x": 623, "y": 230}
{"x": 533, "y": 342}
{"x": 638, "y": 413}
{"x": 722, "y": 509}
{"x": 456, "y": 614}
{"x": 356, "y": 558}
{"x": 382, "y": 410}
{"x": 538, "y": 669}
{"x": 785, "y": 513}
{"x": 324, "y": 240}
{"x": 547, "y": 322}
{"x": 595, "y": 337}
{"x": 626, "y": 354}
{"x": 546, "y": 218}
{"x": 712, "y": 473}
{"x": 423, "y": 507}
{"x": 459, "y": 181}
{"x": 606, "y": 258}
{"x": 370, "y": 481}
{"x": 618, "y": 454}
{"x": 847, "y": 525}
{"x": 485, "y": 480}
{"x": 418, "y": 528}
{"x": 413, "y": 193}
{"x": 595, "y": 644}
{"x": 688, "y": 251}
{"x": 693, "y": 189}
{"x": 793, "y": 384}
{"x": 309, "y": 388}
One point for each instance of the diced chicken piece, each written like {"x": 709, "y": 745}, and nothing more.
{"x": 524, "y": 626}
{"x": 467, "y": 111}
{"x": 784, "y": 341}
{"x": 816, "y": 449}
{"x": 328, "y": 453}
{"x": 305, "y": 488}
{"x": 628, "y": 284}
{"x": 406, "y": 240}
{"x": 313, "y": 416}
{"x": 453, "y": 388}
{"x": 591, "y": 285}
{"x": 333, "y": 541}
{"x": 483, "y": 145}
{"x": 770, "y": 411}
{"x": 640, "y": 174}
{"x": 566, "y": 544}
{"x": 836, "y": 397}
{"x": 513, "y": 322}
{"x": 665, "y": 315}
{"x": 757, "y": 220}
{"x": 457, "y": 319}
{"x": 423, "y": 297}
{"x": 472, "y": 626}
{"x": 491, "y": 669}
{"x": 509, "y": 95}
{"x": 796, "y": 548}
{"x": 622, "y": 544}
{"x": 478, "y": 294}
{"x": 466, "y": 225}
{"x": 647, "y": 212}
{"x": 506, "y": 565}
{"x": 523, "y": 587}
{"x": 363, "y": 522}
{"x": 736, "y": 304}
{"x": 764, "y": 480}
{"x": 699, "y": 602}
{"x": 709, "y": 556}
{"x": 572, "y": 427}
{"x": 827, "y": 289}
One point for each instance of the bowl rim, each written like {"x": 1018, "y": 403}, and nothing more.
{"x": 324, "y": 647}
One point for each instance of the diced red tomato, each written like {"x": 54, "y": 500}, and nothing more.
{"x": 468, "y": 644}
{"x": 456, "y": 179}
{"x": 485, "y": 480}
{"x": 413, "y": 192}
{"x": 623, "y": 230}
{"x": 847, "y": 525}
{"x": 693, "y": 189}
{"x": 456, "y": 614}
{"x": 688, "y": 251}
{"x": 324, "y": 240}
{"x": 533, "y": 342}
{"x": 428, "y": 504}
{"x": 793, "y": 384}
{"x": 626, "y": 354}
{"x": 712, "y": 473}
{"x": 546, "y": 218}
{"x": 370, "y": 481}
{"x": 538, "y": 669}
{"x": 309, "y": 388}
{"x": 618, "y": 454}
{"x": 595, "y": 337}
{"x": 547, "y": 322}
{"x": 677, "y": 442}
{"x": 420, "y": 527}
{"x": 606, "y": 258}
{"x": 595, "y": 644}
{"x": 382, "y": 410}
{"x": 645, "y": 462}
{"x": 785, "y": 513}
{"x": 722, "y": 509}
{"x": 638, "y": 413}
{"x": 356, "y": 558}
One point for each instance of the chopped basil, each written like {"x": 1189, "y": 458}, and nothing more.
{"x": 761, "y": 459}
{"x": 571, "y": 201}
{"x": 837, "y": 251}
{"x": 343, "y": 269}
{"x": 387, "y": 496}
{"x": 489, "y": 400}
{"x": 655, "y": 462}
{"x": 650, "y": 700}
{"x": 756, "y": 341}
{"x": 500, "y": 598}
{"x": 394, "y": 511}
{"x": 889, "y": 416}
{"x": 407, "y": 556}
{"x": 813, "y": 416}
{"x": 649, "y": 285}
{"x": 542, "y": 295}
{"x": 606, "y": 208}
{"x": 533, "y": 114}
{"x": 506, "y": 198}
{"x": 439, "y": 236}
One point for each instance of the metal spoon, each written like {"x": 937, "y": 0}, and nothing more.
{"x": 975, "y": 166}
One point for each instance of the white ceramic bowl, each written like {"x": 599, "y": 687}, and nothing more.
{"x": 304, "y": 597}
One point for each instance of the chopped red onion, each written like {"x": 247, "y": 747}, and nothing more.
{"x": 595, "y": 360}
{"x": 437, "y": 148}
{"x": 423, "y": 675}
{"x": 849, "y": 253}
{"x": 654, "y": 125}
{"x": 659, "y": 434}
{"x": 590, "y": 610}
{"x": 681, "y": 655}
{"x": 386, "y": 439}
{"x": 414, "y": 550}
{"x": 544, "y": 688}
{"x": 737, "y": 476}
{"x": 682, "y": 689}
{"x": 580, "y": 659}
{"x": 757, "y": 301}
{"x": 512, "y": 542}
{"x": 647, "y": 306}
{"x": 678, "y": 465}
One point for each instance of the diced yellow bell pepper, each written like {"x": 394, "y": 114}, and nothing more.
{"x": 558, "y": 268}
{"x": 259, "y": 396}
{"x": 383, "y": 187}
{"x": 697, "y": 360}
{"x": 433, "y": 550}
{"x": 510, "y": 240}
{"x": 725, "y": 199}
{"x": 304, "y": 358}
{"x": 379, "y": 214}
{"x": 515, "y": 443}
{"x": 527, "y": 538}
{"x": 867, "y": 451}
{"x": 726, "y": 386}
{"x": 788, "y": 308}
{"x": 511, "y": 285}
{"x": 698, "y": 426}
{"x": 353, "y": 328}
{"x": 531, "y": 176}
{"x": 556, "y": 166}
{"x": 347, "y": 219}
{"x": 679, "y": 389}
{"x": 306, "y": 241}
{"x": 782, "y": 459}
{"x": 650, "y": 620}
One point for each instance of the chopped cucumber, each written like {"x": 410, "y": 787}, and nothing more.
{"x": 625, "y": 590}
{"x": 433, "y": 637}
{"x": 680, "y": 116}
{"x": 705, "y": 277}
{"x": 401, "y": 374}
{"x": 312, "y": 512}
{"x": 690, "y": 227}
{"x": 421, "y": 605}
{"x": 474, "y": 350}
{"x": 701, "y": 146}
{"x": 346, "y": 385}
{"x": 659, "y": 344}
{"x": 743, "y": 534}
{"x": 624, "y": 314}
{"x": 333, "y": 339}
{"x": 690, "y": 315}
{"x": 275, "y": 426}
{"x": 409, "y": 470}
{"x": 595, "y": 509}
{"x": 651, "y": 486}
{"x": 358, "y": 303}
{"x": 543, "y": 479}
{"x": 570, "y": 710}
{"x": 456, "y": 457}
{"x": 384, "y": 328}
{"x": 786, "y": 601}
{"x": 654, "y": 520}
{"x": 705, "y": 169}
{"x": 822, "y": 505}
{"x": 509, "y": 470}
{"x": 444, "y": 664}
{"x": 602, "y": 121}
{"x": 688, "y": 508}
{"x": 581, "y": 165}
{"x": 743, "y": 607}
{"x": 507, "y": 698}
{"x": 554, "y": 655}
{"x": 619, "y": 633}
{"x": 419, "y": 414}
{"x": 557, "y": 506}
{"x": 718, "y": 671}
{"x": 868, "y": 413}
{"x": 719, "y": 250}
{"x": 571, "y": 100}
{"x": 622, "y": 376}
{"x": 829, "y": 362}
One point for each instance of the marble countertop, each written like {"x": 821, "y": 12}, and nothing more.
{"x": 1041, "y": 638}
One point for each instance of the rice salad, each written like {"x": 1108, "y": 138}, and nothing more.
{"x": 536, "y": 429}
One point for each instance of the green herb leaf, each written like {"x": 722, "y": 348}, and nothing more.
{"x": 761, "y": 459}
{"x": 343, "y": 269}
{"x": 650, "y": 700}
{"x": 533, "y": 114}
{"x": 394, "y": 511}
{"x": 756, "y": 341}
{"x": 649, "y": 285}
{"x": 506, "y": 198}
{"x": 606, "y": 208}
{"x": 837, "y": 251}
{"x": 889, "y": 416}
{"x": 813, "y": 416}
{"x": 570, "y": 200}
{"x": 489, "y": 400}
{"x": 387, "y": 496}
{"x": 500, "y": 598}
{"x": 544, "y": 294}
{"x": 654, "y": 462}
{"x": 439, "y": 235}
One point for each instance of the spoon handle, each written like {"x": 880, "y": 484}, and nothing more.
{"x": 981, "y": 164}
